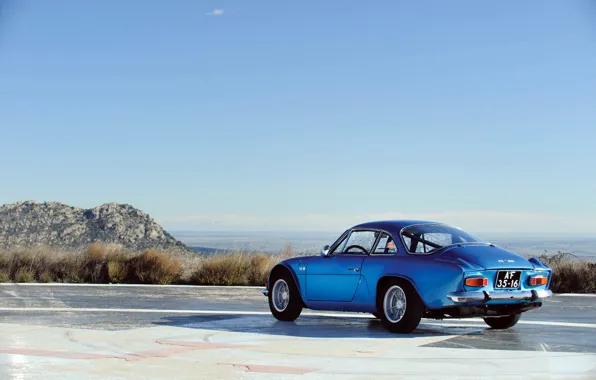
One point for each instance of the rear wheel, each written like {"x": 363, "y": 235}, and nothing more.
{"x": 501, "y": 323}
{"x": 400, "y": 307}
{"x": 284, "y": 299}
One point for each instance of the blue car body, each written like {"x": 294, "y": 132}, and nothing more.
{"x": 350, "y": 281}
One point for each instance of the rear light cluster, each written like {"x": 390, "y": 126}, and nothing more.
{"x": 476, "y": 282}
{"x": 538, "y": 280}
{"x": 479, "y": 282}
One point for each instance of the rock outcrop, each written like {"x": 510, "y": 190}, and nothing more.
{"x": 26, "y": 224}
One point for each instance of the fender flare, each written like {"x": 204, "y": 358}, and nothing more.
{"x": 282, "y": 267}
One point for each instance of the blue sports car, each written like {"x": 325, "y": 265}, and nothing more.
{"x": 403, "y": 270}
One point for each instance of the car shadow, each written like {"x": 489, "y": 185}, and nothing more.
{"x": 306, "y": 326}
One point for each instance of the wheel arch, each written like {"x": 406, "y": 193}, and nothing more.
{"x": 283, "y": 268}
{"x": 403, "y": 279}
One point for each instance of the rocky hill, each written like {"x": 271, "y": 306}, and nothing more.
{"x": 26, "y": 224}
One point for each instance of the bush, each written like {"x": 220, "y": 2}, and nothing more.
{"x": 225, "y": 269}
{"x": 117, "y": 268}
{"x": 258, "y": 270}
{"x": 67, "y": 268}
{"x": 154, "y": 267}
{"x": 24, "y": 274}
{"x": 94, "y": 268}
{"x": 570, "y": 274}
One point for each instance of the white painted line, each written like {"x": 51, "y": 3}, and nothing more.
{"x": 241, "y": 312}
{"x": 128, "y": 285}
{"x": 174, "y": 311}
{"x": 448, "y": 324}
{"x": 562, "y": 324}
{"x": 522, "y": 322}
{"x": 116, "y": 310}
{"x": 576, "y": 295}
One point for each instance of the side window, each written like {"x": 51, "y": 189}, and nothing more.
{"x": 386, "y": 245}
{"x": 360, "y": 242}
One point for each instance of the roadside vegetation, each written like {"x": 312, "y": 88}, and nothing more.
{"x": 570, "y": 273}
{"x": 102, "y": 263}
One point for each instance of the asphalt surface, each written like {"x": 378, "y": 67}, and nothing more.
{"x": 565, "y": 324}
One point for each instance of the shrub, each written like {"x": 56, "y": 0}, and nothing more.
{"x": 570, "y": 274}
{"x": 225, "y": 269}
{"x": 117, "y": 268}
{"x": 154, "y": 267}
{"x": 258, "y": 270}
{"x": 24, "y": 274}
{"x": 67, "y": 268}
{"x": 94, "y": 268}
{"x": 46, "y": 276}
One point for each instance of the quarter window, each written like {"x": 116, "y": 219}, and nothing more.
{"x": 386, "y": 245}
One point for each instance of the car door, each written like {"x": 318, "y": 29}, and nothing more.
{"x": 335, "y": 277}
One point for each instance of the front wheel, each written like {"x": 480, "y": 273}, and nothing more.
{"x": 501, "y": 323}
{"x": 400, "y": 307}
{"x": 284, "y": 299}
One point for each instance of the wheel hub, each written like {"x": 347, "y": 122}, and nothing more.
{"x": 280, "y": 295}
{"x": 394, "y": 304}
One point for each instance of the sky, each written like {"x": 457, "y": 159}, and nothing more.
{"x": 305, "y": 115}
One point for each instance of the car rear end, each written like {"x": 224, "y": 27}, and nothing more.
{"x": 495, "y": 281}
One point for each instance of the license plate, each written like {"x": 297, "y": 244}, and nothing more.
{"x": 507, "y": 279}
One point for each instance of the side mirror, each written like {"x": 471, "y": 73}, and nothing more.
{"x": 325, "y": 250}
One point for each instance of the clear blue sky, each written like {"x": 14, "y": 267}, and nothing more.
{"x": 304, "y": 114}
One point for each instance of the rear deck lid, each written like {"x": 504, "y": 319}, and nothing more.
{"x": 487, "y": 256}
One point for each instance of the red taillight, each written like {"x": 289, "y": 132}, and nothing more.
{"x": 538, "y": 280}
{"x": 477, "y": 282}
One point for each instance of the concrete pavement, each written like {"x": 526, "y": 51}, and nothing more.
{"x": 155, "y": 332}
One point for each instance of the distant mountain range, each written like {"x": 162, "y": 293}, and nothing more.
{"x": 54, "y": 224}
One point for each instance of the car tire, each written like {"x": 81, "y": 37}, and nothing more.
{"x": 284, "y": 308}
{"x": 402, "y": 294}
{"x": 500, "y": 323}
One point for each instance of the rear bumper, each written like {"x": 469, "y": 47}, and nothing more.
{"x": 265, "y": 292}
{"x": 483, "y": 296}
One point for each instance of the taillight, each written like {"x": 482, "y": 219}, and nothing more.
{"x": 477, "y": 282}
{"x": 538, "y": 280}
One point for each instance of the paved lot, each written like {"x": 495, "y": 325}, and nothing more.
{"x": 148, "y": 332}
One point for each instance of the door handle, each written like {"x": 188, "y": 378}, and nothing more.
{"x": 354, "y": 269}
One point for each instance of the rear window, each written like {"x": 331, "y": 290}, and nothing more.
{"x": 428, "y": 238}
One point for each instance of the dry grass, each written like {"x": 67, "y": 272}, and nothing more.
{"x": 240, "y": 268}
{"x": 570, "y": 274}
{"x": 100, "y": 263}
{"x": 154, "y": 267}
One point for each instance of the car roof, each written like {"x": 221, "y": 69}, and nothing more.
{"x": 393, "y": 226}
